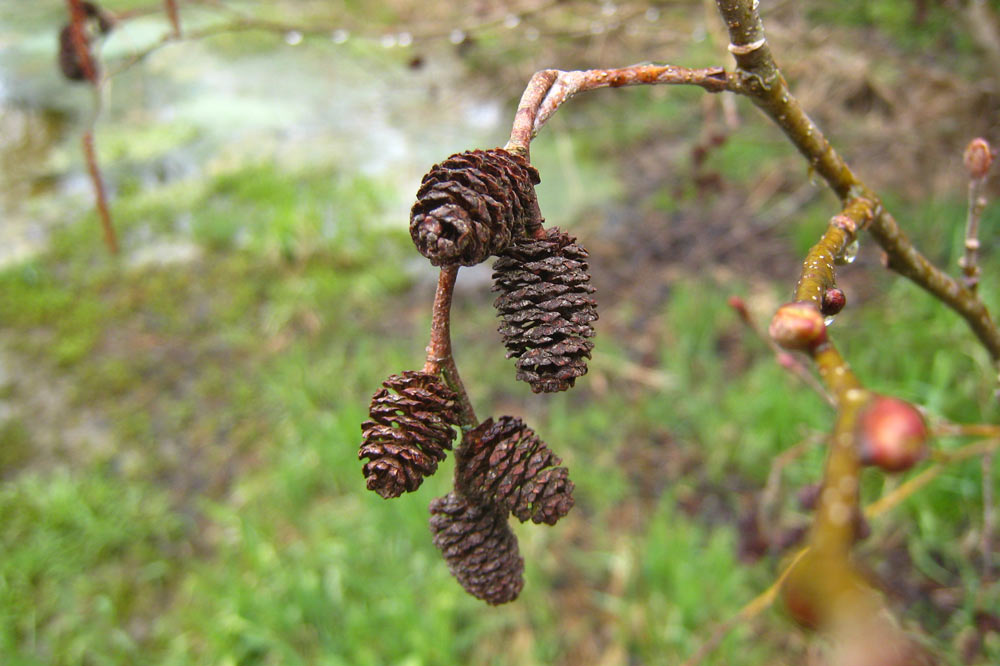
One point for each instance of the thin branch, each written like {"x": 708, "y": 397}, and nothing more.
{"x": 986, "y": 539}
{"x": 978, "y": 158}
{"x": 942, "y": 460}
{"x": 81, "y": 46}
{"x": 175, "y": 20}
{"x": 97, "y": 181}
{"x": 549, "y": 89}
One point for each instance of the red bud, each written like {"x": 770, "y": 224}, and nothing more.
{"x": 891, "y": 434}
{"x": 834, "y": 301}
{"x": 978, "y": 158}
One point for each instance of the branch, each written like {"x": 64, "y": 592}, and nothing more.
{"x": 550, "y": 88}
{"x": 758, "y": 77}
{"x": 817, "y": 276}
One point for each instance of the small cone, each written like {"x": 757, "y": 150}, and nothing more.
{"x": 473, "y": 205}
{"x": 546, "y": 309}
{"x": 479, "y": 547}
{"x": 505, "y": 462}
{"x": 412, "y": 424}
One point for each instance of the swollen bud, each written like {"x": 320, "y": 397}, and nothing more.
{"x": 891, "y": 434}
{"x": 978, "y": 158}
{"x": 798, "y": 326}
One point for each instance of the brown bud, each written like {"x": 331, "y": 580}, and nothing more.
{"x": 978, "y": 158}
{"x": 798, "y": 326}
{"x": 891, "y": 434}
{"x": 834, "y": 301}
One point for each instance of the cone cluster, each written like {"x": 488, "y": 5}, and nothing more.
{"x": 479, "y": 547}
{"x": 472, "y": 205}
{"x": 410, "y": 427}
{"x": 505, "y": 462}
{"x": 546, "y": 309}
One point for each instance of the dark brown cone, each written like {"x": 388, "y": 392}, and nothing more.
{"x": 411, "y": 426}
{"x": 546, "y": 309}
{"x": 505, "y": 462}
{"x": 472, "y": 205}
{"x": 479, "y": 547}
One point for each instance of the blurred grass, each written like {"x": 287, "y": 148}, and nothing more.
{"x": 214, "y": 512}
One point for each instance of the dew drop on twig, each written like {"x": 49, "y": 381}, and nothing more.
{"x": 293, "y": 37}
{"x": 850, "y": 253}
{"x": 340, "y": 36}
{"x": 511, "y": 21}
{"x": 457, "y": 36}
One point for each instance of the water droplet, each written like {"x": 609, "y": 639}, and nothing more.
{"x": 829, "y": 319}
{"x": 609, "y": 9}
{"x": 340, "y": 36}
{"x": 293, "y": 37}
{"x": 850, "y": 253}
{"x": 404, "y": 39}
{"x": 652, "y": 14}
{"x": 511, "y": 21}
{"x": 457, "y": 36}
{"x": 388, "y": 41}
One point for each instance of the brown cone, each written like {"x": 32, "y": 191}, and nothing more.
{"x": 505, "y": 462}
{"x": 546, "y": 309}
{"x": 472, "y": 205}
{"x": 479, "y": 547}
{"x": 411, "y": 426}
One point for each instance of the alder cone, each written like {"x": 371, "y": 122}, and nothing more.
{"x": 411, "y": 426}
{"x": 546, "y": 309}
{"x": 479, "y": 547}
{"x": 506, "y": 463}
{"x": 472, "y": 205}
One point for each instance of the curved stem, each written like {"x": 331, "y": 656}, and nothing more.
{"x": 439, "y": 353}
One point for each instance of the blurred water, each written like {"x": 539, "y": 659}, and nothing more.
{"x": 190, "y": 109}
